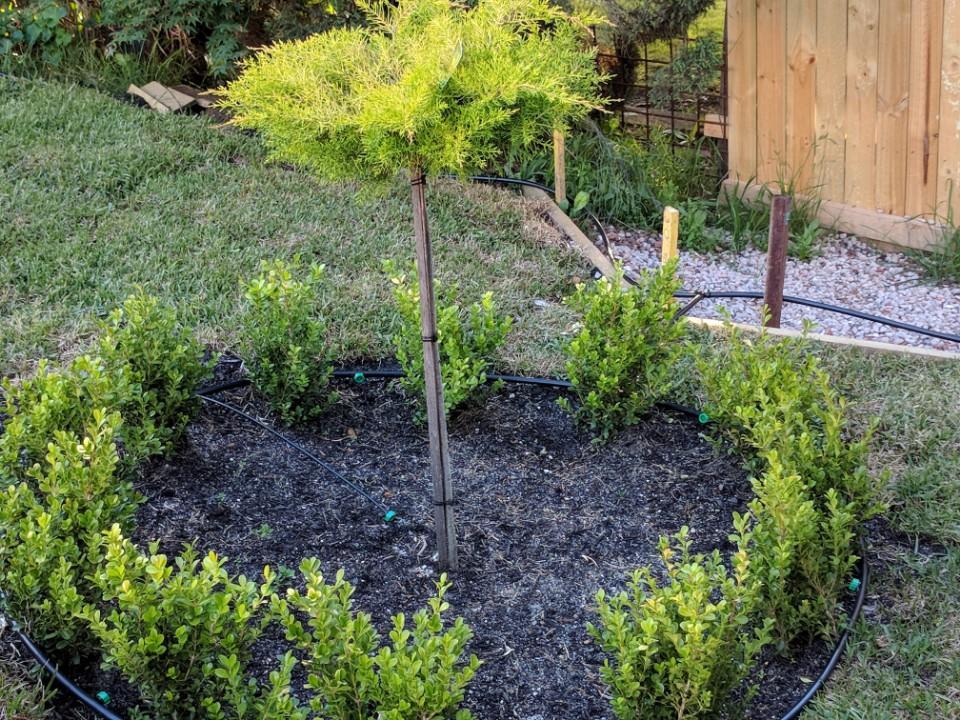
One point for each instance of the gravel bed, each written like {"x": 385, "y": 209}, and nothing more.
{"x": 847, "y": 272}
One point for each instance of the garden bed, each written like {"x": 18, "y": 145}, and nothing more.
{"x": 545, "y": 519}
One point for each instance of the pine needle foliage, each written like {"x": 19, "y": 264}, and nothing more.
{"x": 427, "y": 85}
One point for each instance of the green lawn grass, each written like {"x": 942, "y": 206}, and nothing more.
{"x": 96, "y": 196}
{"x": 905, "y": 658}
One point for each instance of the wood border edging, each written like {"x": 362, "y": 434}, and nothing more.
{"x": 893, "y": 231}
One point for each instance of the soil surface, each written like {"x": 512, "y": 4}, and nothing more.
{"x": 545, "y": 518}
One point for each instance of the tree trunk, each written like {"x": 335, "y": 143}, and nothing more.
{"x": 436, "y": 416}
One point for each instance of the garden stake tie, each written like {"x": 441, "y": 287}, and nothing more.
{"x": 436, "y": 417}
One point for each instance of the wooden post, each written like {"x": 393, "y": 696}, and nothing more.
{"x": 559, "y": 170}
{"x": 436, "y": 417}
{"x": 776, "y": 258}
{"x": 671, "y": 231}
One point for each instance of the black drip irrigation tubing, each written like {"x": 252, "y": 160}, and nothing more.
{"x": 388, "y": 513}
{"x": 360, "y": 376}
{"x": 696, "y": 297}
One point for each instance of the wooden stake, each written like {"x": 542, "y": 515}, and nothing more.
{"x": 671, "y": 231}
{"x": 776, "y": 258}
{"x": 436, "y": 417}
{"x": 559, "y": 169}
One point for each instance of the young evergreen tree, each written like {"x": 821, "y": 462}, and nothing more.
{"x": 427, "y": 87}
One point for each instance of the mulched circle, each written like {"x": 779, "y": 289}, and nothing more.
{"x": 545, "y": 518}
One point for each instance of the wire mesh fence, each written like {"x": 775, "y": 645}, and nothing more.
{"x": 653, "y": 113}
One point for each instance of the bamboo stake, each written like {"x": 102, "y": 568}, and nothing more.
{"x": 776, "y": 259}
{"x": 436, "y": 417}
{"x": 559, "y": 169}
{"x": 671, "y": 231}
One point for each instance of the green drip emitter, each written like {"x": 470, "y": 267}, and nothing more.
{"x": 359, "y": 377}
{"x": 390, "y": 515}
{"x": 703, "y": 418}
{"x": 854, "y": 585}
{"x": 104, "y": 697}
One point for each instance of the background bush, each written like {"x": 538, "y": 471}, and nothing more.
{"x": 629, "y": 23}
{"x": 694, "y": 71}
{"x": 623, "y": 358}
{"x": 284, "y": 339}
{"x": 468, "y": 339}
{"x": 810, "y": 476}
{"x": 196, "y": 39}
{"x": 39, "y": 27}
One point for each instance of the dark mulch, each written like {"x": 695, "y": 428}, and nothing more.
{"x": 544, "y": 519}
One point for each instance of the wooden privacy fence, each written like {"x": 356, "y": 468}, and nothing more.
{"x": 858, "y": 101}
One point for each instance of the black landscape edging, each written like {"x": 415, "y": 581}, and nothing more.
{"x": 360, "y": 375}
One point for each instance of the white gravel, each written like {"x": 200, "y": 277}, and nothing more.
{"x": 847, "y": 272}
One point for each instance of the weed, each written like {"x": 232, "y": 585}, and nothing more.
{"x": 23, "y": 695}
{"x": 943, "y": 263}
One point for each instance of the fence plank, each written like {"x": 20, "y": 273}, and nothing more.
{"x": 831, "y": 85}
{"x": 882, "y": 80}
{"x": 801, "y": 90}
{"x": 771, "y": 86}
{"x": 742, "y": 88}
{"x": 926, "y": 43}
{"x": 861, "y": 117}
{"x": 892, "y": 98}
{"x": 949, "y": 147}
